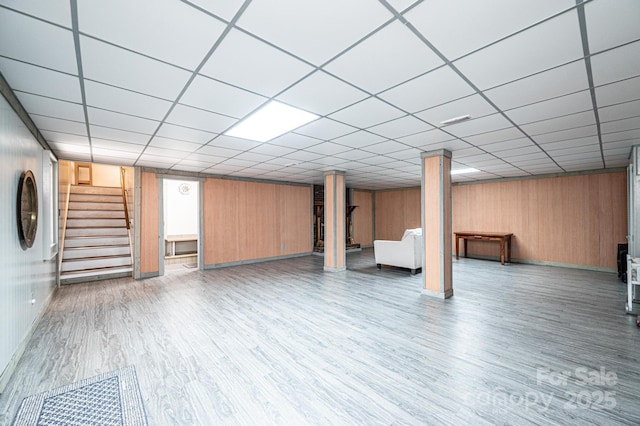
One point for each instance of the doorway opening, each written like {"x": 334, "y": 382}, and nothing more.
{"x": 181, "y": 212}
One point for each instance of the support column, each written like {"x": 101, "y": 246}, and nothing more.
{"x": 335, "y": 258}
{"x": 436, "y": 223}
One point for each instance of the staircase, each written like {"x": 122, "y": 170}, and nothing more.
{"x": 96, "y": 242}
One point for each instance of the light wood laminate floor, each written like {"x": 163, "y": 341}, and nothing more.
{"x": 283, "y": 342}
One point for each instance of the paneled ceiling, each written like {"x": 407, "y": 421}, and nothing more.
{"x": 551, "y": 85}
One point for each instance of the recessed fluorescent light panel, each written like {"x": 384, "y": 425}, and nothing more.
{"x": 464, "y": 171}
{"x": 272, "y": 120}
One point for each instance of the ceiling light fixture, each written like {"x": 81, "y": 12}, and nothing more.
{"x": 271, "y": 120}
{"x": 464, "y": 171}
{"x": 455, "y": 120}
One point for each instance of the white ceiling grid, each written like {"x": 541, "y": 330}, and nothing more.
{"x": 551, "y": 86}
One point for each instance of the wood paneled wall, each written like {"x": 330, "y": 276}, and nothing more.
{"x": 251, "y": 220}
{"x": 362, "y": 217}
{"x": 577, "y": 220}
{"x": 149, "y": 250}
{"x": 573, "y": 220}
{"x": 396, "y": 211}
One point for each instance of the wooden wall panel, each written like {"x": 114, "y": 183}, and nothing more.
{"x": 576, "y": 220}
{"x": 149, "y": 223}
{"x": 396, "y": 211}
{"x": 252, "y": 220}
{"x": 362, "y": 218}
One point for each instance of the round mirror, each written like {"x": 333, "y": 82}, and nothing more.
{"x": 27, "y": 209}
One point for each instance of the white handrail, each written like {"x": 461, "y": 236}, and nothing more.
{"x": 64, "y": 231}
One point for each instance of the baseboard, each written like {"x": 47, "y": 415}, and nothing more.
{"x": 260, "y": 260}
{"x": 447, "y": 294}
{"x": 545, "y": 263}
{"x": 148, "y": 275}
{"x": 10, "y": 368}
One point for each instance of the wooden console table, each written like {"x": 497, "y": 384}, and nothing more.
{"x": 503, "y": 238}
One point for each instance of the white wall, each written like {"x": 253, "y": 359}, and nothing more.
{"x": 24, "y": 275}
{"x": 180, "y": 209}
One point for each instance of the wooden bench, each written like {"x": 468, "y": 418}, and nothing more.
{"x": 180, "y": 245}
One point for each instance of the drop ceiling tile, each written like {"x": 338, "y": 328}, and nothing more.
{"x": 381, "y": 160}
{"x": 539, "y": 87}
{"x": 544, "y": 46}
{"x": 394, "y": 52}
{"x": 199, "y": 164}
{"x": 184, "y": 168}
{"x": 564, "y": 122}
{"x": 102, "y": 154}
{"x": 579, "y": 132}
{"x": 507, "y": 145}
{"x": 518, "y": 152}
{"x": 51, "y": 107}
{"x": 404, "y": 126}
{"x": 603, "y": 16}
{"x": 220, "y": 98}
{"x": 170, "y": 31}
{"x": 411, "y": 97}
{"x": 254, "y": 157}
{"x": 619, "y": 111}
{"x": 495, "y": 136}
{"x": 359, "y": 139}
{"x": 234, "y": 143}
{"x": 294, "y": 141}
{"x": 238, "y": 163}
{"x": 570, "y": 143}
{"x": 616, "y": 64}
{"x": 425, "y": 138}
{"x": 123, "y": 101}
{"x": 314, "y": 31}
{"x": 321, "y": 94}
{"x": 160, "y": 142}
{"x": 224, "y": 9}
{"x": 195, "y": 118}
{"x": 355, "y": 155}
{"x": 40, "y": 43}
{"x": 116, "y": 120}
{"x": 572, "y": 150}
{"x": 174, "y": 154}
{"x": 461, "y": 155}
{"x": 470, "y": 24}
{"x": 205, "y": 158}
{"x": 260, "y": 68}
{"x": 58, "y": 125}
{"x": 577, "y": 102}
{"x": 119, "y": 135}
{"x": 619, "y": 144}
{"x": 57, "y": 11}
{"x": 411, "y": 153}
{"x": 325, "y": 129}
{"x": 621, "y": 125}
{"x": 488, "y": 123}
{"x": 65, "y": 138}
{"x": 451, "y": 145}
{"x": 106, "y": 63}
{"x": 621, "y": 152}
{"x": 40, "y": 81}
{"x": 182, "y": 133}
{"x": 107, "y": 144}
{"x": 328, "y": 148}
{"x": 367, "y": 113}
{"x": 218, "y": 151}
{"x": 71, "y": 150}
{"x": 272, "y": 150}
{"x": 615, "y": 93}
{"x": 386, "y": 147}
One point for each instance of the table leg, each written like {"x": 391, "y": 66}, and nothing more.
{"x": 465, "y": 247}
{"x": 457, "y": 247}
{"x": 509, "y": 249}
{"x": 502, "y": 251}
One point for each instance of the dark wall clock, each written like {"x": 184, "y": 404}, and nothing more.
{"x": 27, "y": 209}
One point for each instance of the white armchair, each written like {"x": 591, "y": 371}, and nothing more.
{"x": 406, "y": 253}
